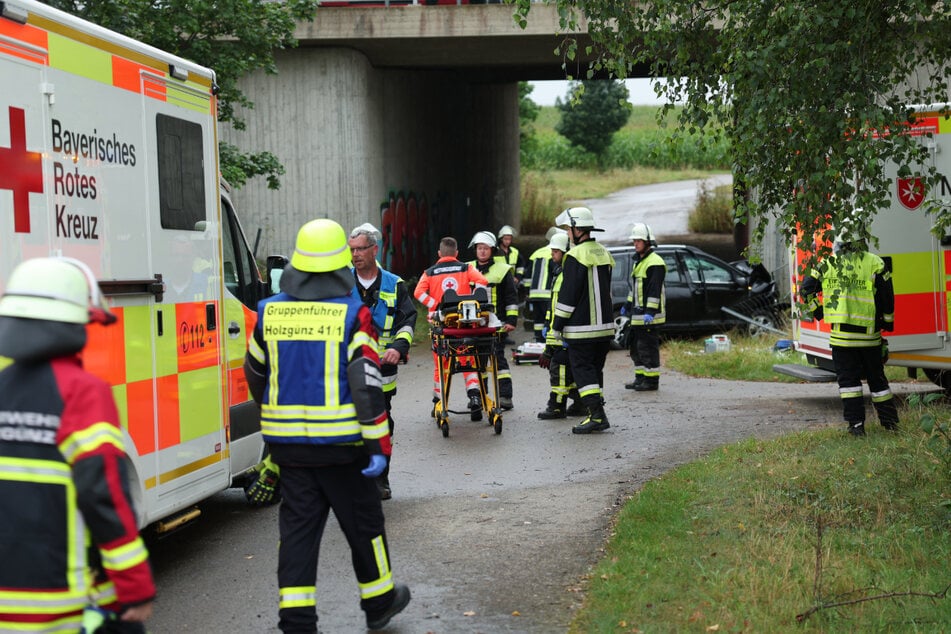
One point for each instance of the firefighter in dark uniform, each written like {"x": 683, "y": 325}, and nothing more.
{"x": 70, "y": 535}
{"x": 584, "y": 315}
{"x": 540, "y": 284}
{"x": 312, "y": 365}
{"x": 858, "y": 302}
{"x": 503, "y": 295}
{"x": 555, "y": 356}
{"x": 647, "y": 307}
{"x": 394, "y": 316}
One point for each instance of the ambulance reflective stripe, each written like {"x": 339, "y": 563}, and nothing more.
{"x": 167, "y": 388}
{"x": 82, "y": 54}
{"x": 384, "y": 583}
{"x": 89, "y": 440}
{"x": 298, "y": 597}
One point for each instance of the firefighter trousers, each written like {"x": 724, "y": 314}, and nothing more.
{"x": 645, "y": 352}
{"x": 309, "y": 494}
{"x": 587, "y": 365}
{"x": 851, "y": 365}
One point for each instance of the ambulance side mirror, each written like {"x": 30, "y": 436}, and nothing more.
{"x": 275, "y": 268}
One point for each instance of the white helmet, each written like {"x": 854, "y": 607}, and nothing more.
{"x": 552, "y": 231}
{"x": 367, "y": 229}
{"x": 579, "y": 217}
{"x": 640, "y": 231}
{"x": 54, "y": 289}
{"x": 506, "y": 230}
{"x": 559, "y": 241}
{"x": 482, "y": 237}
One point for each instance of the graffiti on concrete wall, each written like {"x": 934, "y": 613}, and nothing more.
{"x": 407, "y": 226}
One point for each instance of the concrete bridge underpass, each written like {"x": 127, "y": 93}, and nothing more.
{"x": 406, "y": 117}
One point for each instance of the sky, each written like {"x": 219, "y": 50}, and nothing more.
{"x": 642, "y": 92}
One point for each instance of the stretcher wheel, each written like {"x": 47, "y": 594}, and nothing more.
{"x": 444, "y": 426}
{"x": 496, "y": 420}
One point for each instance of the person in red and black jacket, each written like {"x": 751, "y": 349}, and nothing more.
{"x": 69, "y": 534}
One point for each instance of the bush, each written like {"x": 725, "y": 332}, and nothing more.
{"x": 714, "y": 210}
{"x": 541, "y": 200}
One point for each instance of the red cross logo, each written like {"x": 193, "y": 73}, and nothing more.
{"x": 20, "y": 171}
{"x": 449, "y": 284}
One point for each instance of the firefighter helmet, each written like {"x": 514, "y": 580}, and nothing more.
{"x": 641, "y": 231}
{"x": 577, "y": 217}
{"x": 54, "y": 289}
{"x": 552, "y": 231}
{"x": 506, "y": 230}
{"x": 321, "y": 247}
{"x": 482, "y": 237}
{"x": 559, "y": 241}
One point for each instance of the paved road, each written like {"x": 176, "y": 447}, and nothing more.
{"x": 493, "y": 533}
{"x": 665, "y": 207}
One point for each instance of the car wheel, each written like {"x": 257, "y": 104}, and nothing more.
{"x": 763, "y": 323}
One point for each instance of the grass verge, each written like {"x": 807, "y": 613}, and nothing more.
{"x": 814, "y": 532}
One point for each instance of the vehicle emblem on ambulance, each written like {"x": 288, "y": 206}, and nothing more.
{"x": 21, "y": 171}
{"x": 911, "y": 192}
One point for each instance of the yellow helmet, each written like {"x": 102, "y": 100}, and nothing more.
{"x": 321, "y": 247}
{"x": 54, "y": 289}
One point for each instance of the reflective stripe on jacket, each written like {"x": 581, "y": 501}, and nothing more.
{"x": 648, "y": 295}
{"x": 584, "y": 309}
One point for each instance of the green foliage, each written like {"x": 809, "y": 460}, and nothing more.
{"x": 233, "y": 37}
{"x": 528, "y": 112}
{"x": 801, "y": 90}
{"x": 540, "y": 202}
{"x": 593, "y": 113}
{"x": 934, "y": 422}
{"x": 714, "y": 210}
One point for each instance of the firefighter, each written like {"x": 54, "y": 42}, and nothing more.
{"x": 312, "y": 365}
{"x": 555, "y": 356}
{"x": 394, "y": 316}
{"x": 584, "y": 315}
{"x": 510, "y": 255}
{"x": 858, "y": 302}
{"x": 448, "y": 273}
{"x": 646, "y": 305}
{"x": 539, "y": 287}
{"x": 503, "y": 295}
{"x": 70, "y": 538}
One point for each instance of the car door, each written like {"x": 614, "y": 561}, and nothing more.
{"x": 721, "y": 286}
{"x": 685, "y": 302}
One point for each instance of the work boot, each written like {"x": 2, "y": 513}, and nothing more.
{"x": 401, "y": 597}
{"x": 649, "y": 384}
{"x": 552, "y": 413}
{"x": 857, "y": 429}
{"x": 636, "y": 383}
{"x": 383, "y": 486}
{"x": 475, "y": 405}
{"x": 576, "y": 409}
{"x": 505, "y": 402}
{"x": 597, "y": 420}
{"x": 890, "y": 425}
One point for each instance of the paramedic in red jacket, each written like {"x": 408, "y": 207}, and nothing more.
{"x": 67, "y": 511}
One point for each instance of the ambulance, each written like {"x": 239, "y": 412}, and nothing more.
{"x": 108, "y": 154}
{"x": 920, "y": 263}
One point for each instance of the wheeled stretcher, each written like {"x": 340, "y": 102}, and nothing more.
{"x": 466, "y": 337}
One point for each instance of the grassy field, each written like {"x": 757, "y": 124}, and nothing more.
{"x": 814, "y": 532}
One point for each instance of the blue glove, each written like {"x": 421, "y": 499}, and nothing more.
{"x": 624, "y": 310}
{"x": 648, "y": 319}
{"x": 376, "y": 466}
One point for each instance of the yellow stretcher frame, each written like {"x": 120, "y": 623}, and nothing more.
{"x": 464, "y": 341}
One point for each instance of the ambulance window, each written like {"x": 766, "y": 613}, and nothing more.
{"x": 240, "y": 274}
{"x": 181, "y": 173}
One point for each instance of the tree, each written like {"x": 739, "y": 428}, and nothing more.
{"x": 813, "y": 96}
{"x": 527, "y": 114}
{"x": 593, "y": 112}
{"x": 233, "y": 37}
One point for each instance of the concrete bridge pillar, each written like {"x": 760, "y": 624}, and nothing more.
{"x": 419, "y": 153}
